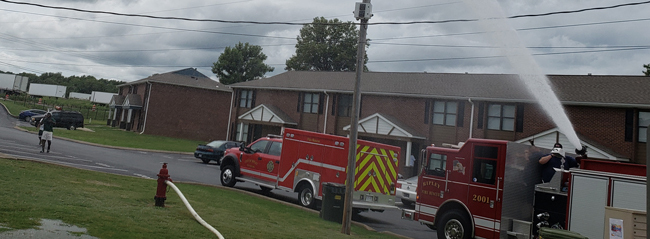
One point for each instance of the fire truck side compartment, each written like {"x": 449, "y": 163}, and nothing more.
{"x": 520, "y": 177}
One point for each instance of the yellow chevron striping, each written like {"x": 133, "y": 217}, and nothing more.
{"x": 392, "y": 165}
{"x": 360, "y": 155}
{"x": 379, "y": 162}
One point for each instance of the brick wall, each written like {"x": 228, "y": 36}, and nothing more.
{"x": 605, "y": 126}
{"x": 186, "y": 112}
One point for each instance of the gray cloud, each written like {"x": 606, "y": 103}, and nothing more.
{"x": 40, "y": 40}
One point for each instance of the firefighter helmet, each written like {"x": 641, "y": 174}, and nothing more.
{"x": 557, "y": 151}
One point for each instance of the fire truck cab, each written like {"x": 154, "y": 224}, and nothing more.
{"x": 461, "y": 190}
{"x": 493, "y": 189}
{"x": 302, "y": 161}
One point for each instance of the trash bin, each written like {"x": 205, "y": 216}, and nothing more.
{"x": 333, "y": 201}
{"x": 550, "y": 233}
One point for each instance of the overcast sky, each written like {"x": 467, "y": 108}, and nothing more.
{"x": 35, "y": 39}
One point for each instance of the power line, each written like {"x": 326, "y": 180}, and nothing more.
{"x": 500, "y": 56}
{"x": 294, "y": 23}
{"x": 167, "y": 28}
{"x": 370, "y": 61}
{"x": 495, "y": 47}
{"x": 146, "y": 50}
{"x": 520, "y": 29}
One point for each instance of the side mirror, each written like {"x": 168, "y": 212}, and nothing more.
{"x": 243, "y": 149}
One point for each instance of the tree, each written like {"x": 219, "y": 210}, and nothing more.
{"x": 241, "y": 63}
{"x": 326, "y": 45}
{"x": 647, "y": 69}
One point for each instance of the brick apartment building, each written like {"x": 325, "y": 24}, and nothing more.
{"x": 412, "y": 110}
{"x": 181, "y": 104}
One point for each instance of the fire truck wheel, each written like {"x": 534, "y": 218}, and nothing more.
{"x": 454, "y": 225}
{"x": 228, "y": 176}
{"x": 306, "y": 197}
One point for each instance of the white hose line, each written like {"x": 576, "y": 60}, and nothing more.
{"x": 189, "y": 207}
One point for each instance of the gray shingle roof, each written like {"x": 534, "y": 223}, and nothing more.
{"x": 186, "y": 77}
{"x": 571, "y": 89}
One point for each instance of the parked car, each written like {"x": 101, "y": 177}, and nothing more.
{"x": 26, "y": 115}
{"x": 214, "y": 150}
{"x": 64, "y": 119}
{"x": 406, "y": 190}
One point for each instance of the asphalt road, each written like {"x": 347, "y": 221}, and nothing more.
{"x": 145, "y": 164}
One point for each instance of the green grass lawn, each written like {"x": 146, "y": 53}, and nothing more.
{"x": 114, "y": 206}
{"x": 105, "y": 135}
{"x": 14, "y": 108}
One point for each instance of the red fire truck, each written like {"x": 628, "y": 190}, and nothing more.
{"x": 302, "y": 161}
{"x": 493, "y": 189}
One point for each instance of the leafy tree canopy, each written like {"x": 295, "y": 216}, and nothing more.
{"x": 326, "y": 45}
{"x": 241, "y": 63}
{"x": 647, "y": 69}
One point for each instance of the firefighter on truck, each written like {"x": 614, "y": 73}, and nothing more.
{"x": 465, "y": 191}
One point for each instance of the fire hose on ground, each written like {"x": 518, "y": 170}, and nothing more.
{"x": 189, "y": 207}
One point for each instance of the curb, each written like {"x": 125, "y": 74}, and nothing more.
{"x": 6, "y": 109}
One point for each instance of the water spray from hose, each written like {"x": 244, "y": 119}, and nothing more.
{"x": 502, "y": 35}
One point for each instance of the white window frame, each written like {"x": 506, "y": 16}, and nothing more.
{"x": 246, "y": 99}
{"x": 501, "y": 117}
{"x": 311, "y": 102}
{"x": 445, "y": 113}
{"x": 242, "y": 132}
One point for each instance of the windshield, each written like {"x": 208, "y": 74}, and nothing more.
{"x": 216, "y": 144}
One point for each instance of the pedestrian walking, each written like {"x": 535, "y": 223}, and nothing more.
{"x": 40, "y": 131}
{"x": 48, "y": 131}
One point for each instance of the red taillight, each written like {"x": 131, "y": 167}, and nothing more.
{"x": 210, "y": 150}
{"x": 399, "y": 185}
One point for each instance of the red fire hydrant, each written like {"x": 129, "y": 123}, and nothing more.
{"x": 162, "y": 186}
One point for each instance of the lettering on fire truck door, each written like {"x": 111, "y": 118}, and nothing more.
{"x": 485, "y": 188}
{"x": 251, "y": 161}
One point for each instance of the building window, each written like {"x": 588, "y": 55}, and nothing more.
{"x": 501, "y": 117}
{"x": 445, "y": 112}
{"x": 311, "y": 103}
{"x": 644, "y": 121}
{"x": 246, "y": 98}
{"x": 344, "y": 105}
{"x": 242, "y": 132}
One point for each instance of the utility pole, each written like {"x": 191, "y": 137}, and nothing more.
{"x": 363, "y": 11}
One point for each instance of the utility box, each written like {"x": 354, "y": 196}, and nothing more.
{"x": 363, "y": 11}
{"x": 623, "y": 223}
